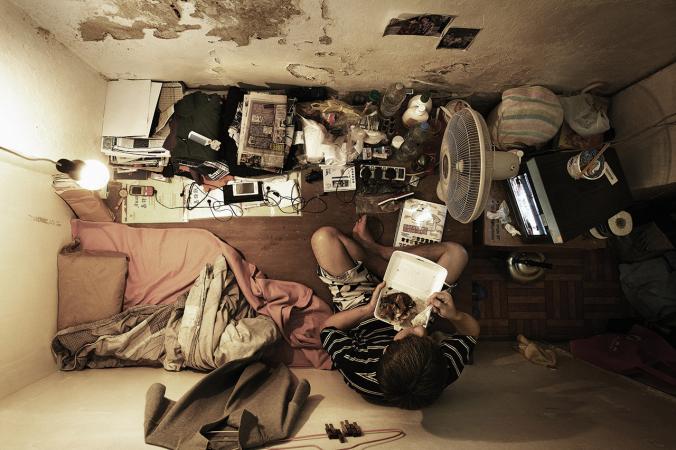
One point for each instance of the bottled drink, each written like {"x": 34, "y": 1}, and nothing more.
{"x": 415, "y": 115}
{"x": 413, "y": 143}
{"x": 392, "y": 100}
{"x": 422, "y": 99}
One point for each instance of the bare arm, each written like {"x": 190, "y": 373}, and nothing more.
{"x": 443, "y": 305}
{"x": 345, "y": 320}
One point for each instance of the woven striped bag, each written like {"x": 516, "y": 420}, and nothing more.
{"x": 527, "y": 115}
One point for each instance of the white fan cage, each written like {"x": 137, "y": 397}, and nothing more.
{"x": 470, "y": 151}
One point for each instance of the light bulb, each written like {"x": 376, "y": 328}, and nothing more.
{"x": 93, "y": 175}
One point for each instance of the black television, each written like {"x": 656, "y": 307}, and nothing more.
{"x": 525, "y": 208}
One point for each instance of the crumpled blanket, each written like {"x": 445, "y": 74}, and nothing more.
{"x": 295, "y": 309}
{"x": 231, "y": 408}
{"x": 208, "y": 327}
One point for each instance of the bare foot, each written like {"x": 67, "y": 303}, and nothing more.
{"x": 361, "y": 234}
{"x": 360, "y": 231}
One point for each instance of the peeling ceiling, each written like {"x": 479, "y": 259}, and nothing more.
{"x": 563, "y": 45}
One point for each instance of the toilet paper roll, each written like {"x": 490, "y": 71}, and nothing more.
{"x": 621, "y": 223}
{"x": 597, "y": 234}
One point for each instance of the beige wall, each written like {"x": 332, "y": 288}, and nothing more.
{"x": 51, "y": 105}
{"x": 649, "y": 159}
{"x": 564, "y": 44}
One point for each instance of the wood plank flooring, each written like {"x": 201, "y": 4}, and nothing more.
{"x": 576, "y": 298}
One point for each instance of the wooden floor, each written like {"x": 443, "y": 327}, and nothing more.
{"x": 575, "y": 298}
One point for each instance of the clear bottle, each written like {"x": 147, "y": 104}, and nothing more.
{"x": 413, "y": 143}
{"x": 391, "y": 102}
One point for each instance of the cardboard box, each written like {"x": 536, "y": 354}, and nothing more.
{"x": 413, "y": 275}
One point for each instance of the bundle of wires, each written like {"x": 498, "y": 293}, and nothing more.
{"x": 298, "y": 202}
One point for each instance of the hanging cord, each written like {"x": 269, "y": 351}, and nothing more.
{"x": 27, "y": 157}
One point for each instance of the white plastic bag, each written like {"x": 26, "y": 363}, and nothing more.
{"x": 314, "y": 135}
{"x": 585, "y": 114}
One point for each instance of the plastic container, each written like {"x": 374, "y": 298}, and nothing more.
{"x": 413, "y": 116}
{"x": 422, "y": 99}
{"x": 413, "y": 275}
{"x": 391, "y": 102}
{"x": 396, "y": 142}
{"x": 413, "y": 144}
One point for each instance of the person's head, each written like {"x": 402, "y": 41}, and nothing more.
{"x": 412, "y": 371}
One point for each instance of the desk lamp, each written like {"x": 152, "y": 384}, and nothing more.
{"x": 90, "y": 174}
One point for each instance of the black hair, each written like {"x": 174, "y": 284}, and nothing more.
{"x": 412, "y": 372}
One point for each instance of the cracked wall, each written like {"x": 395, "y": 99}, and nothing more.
{"x": 238, "y": 21}
{"x": 562, "y": 45}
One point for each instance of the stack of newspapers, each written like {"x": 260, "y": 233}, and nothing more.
{"x": 262, "y": 141}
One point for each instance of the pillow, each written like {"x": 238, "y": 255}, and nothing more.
{"x": 91, "y": 285}
{"x": 87, "y": 205}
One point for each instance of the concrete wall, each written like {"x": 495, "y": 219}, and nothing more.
{"x": 51, "y": 105}
{"x": 561, "y": 44}
{"x": 649, "y": 160}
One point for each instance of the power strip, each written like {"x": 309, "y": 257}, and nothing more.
{"x": 369, "y": 173}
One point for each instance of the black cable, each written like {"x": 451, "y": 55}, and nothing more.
{"x": 187, "y": 202}
{"x": 213, "y": 207}
{"x": 165, "y": 206}
{"x": 298, "y": 202}
{"x": 354, "y": 194}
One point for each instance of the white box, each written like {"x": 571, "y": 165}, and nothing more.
{"x": 413, "y": 275}
{"x": 420, "y": 222}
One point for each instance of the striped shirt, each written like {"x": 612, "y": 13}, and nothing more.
{"x": 356, "y": 352}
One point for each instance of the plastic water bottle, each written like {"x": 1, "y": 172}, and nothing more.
{"x": 391, "y": 102}
{"x": 413, "y": 143}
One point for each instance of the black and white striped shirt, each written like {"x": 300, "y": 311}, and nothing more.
{"x": 356, "y": 352}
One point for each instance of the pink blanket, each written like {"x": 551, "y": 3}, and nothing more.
{"x": 163, "y": 263}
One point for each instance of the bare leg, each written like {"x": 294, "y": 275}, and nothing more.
{"x": 450, "y": 255}
{"x": 336, "y": 253}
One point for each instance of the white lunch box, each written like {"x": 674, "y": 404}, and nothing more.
{"x": 416, "y": 276}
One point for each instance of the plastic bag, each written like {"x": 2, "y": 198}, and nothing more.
{"x": 314, "y": 136}
{"x": 585, "y": 114}
{"x": 526, "y": 116}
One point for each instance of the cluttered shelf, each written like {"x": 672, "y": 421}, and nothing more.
{"x": 266, "y": 192}
{"x": 196, "y": 155}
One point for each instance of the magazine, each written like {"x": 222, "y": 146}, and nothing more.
{"x": 262, "y": 142}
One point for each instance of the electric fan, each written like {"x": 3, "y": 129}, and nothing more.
{"x": 469, "y": 164}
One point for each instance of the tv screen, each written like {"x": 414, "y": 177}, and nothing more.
{"x": 527, "y": 206}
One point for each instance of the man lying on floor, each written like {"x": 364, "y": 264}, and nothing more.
{"x": 408, "y": 368}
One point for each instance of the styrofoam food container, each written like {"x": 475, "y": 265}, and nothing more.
{"x": 413, "y": 275}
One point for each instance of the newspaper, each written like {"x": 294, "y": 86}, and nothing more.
{"x": 262, "y": 142}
